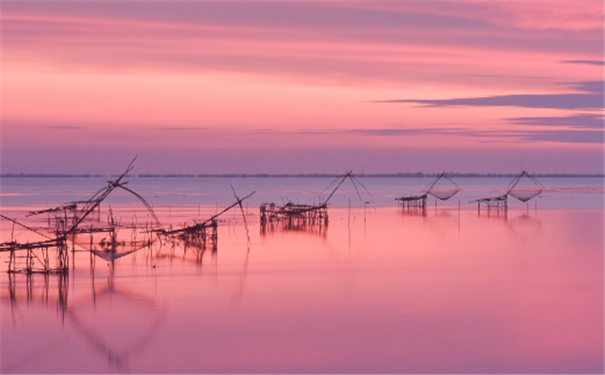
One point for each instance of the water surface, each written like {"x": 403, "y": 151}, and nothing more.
{"x": 379, "y": 291}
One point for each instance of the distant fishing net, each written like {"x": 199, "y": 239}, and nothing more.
{"x": 525, "y": 194}
{"x": 110, "y": 256}
{"x": 444, "y": 194}
{"x": 524, "y": 187}
{"x": 443, "y": 188}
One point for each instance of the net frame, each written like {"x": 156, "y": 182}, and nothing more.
{"x": 430, "y": 189}
{"x": 510, "y": 189}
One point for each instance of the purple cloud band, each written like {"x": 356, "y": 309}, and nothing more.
{"x": 580, "y": 121}
{"x": 592, "y": 98}
{"x": 560, "y": 136}
{"x": 587, "y": 62}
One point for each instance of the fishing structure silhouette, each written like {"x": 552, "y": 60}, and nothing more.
{"x": 73, "y": 223}
{"x": 303, "y": 217}
{"x": 499, "y": 204}
{"x": 417, "y": 203}
{"x": 67, "y": 224}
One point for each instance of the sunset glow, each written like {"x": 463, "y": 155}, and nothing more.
{"x": 302, "y": 87}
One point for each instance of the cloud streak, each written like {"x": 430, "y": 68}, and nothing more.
{"x": 503, "y": 136}
{"x": 283, "y": 38}
{"x": 592, "y": 98}
{"x": 281, "y": 75}
{"x": 66, "y": 127}
{"x": 580, "y": 121}
{"x": 586, "y": 62}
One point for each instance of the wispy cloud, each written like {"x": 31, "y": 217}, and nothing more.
{"x": 279, "y": 38}
{"x": 527, "y": 15}
{"x": 591, "y": 98}
{"x": 507, "y": 136}
{"x": 587, "y": 62}
{"x": 564, "y": 136}
{"x": 412, "y": 131}
{"x": 66, "y": 127}
{"x": 581, "y": 121}
{"x": 281, "y": 75}
{"x": 177, "y": 128}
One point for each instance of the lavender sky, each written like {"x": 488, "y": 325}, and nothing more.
{"x": 281, "y": 87}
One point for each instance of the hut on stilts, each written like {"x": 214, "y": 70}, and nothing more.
{"x": 417, "y": 203}
{"x": 522, "y": 192}
{"x": 310, "y": 217}
{"x": 204, "y": 234}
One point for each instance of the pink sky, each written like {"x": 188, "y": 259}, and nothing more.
{"x": 302, "y": 88}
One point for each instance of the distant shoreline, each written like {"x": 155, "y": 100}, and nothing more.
{"x": 301, "y": 175}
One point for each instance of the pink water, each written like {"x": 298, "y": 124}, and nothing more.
{"x": 379, "y": 292}
{"x": 395, "y": 293}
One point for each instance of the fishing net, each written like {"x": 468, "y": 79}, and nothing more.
{"x": 109, "y": 256}
{"x": 103, "y": 246}
{"x": 525, "y": 194}
{"x": 444, "y": 193}
{"x": 443, "y": 188}
{"x": 525, "y": 187}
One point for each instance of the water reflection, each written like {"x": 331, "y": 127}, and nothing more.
{"x": 441, "y": 223}
{"x": 383, "y": 292}
{"x": 25, "y": 288}
{"x": 185, "y": 251}
{"x": 239, "y": 293}
{"x": 523, "y": 224}
{"x": 413, "y": 211}
{"x": 302, "y": 227}
{"x": 115, "y": 321}
{"x": 525, "y": 227}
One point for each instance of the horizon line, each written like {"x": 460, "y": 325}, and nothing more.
{"x": 295, "y": 175}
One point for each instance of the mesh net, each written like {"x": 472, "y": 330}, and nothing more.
{"x": 525, "y": 188}
{"x": 525, "y": 194}
{"x": 443, "y": 188}
{"x": 101, "y": 244}
{"x": 444, "y": 193}
{"x": 109, "y": 256}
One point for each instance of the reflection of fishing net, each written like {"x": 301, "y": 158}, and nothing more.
{"x": 524, "y": 187}
{"x": 443, "y": 188}
{"x": 116, "y": 323}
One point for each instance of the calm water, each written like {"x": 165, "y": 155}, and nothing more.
{"x": 380, "y": 291}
